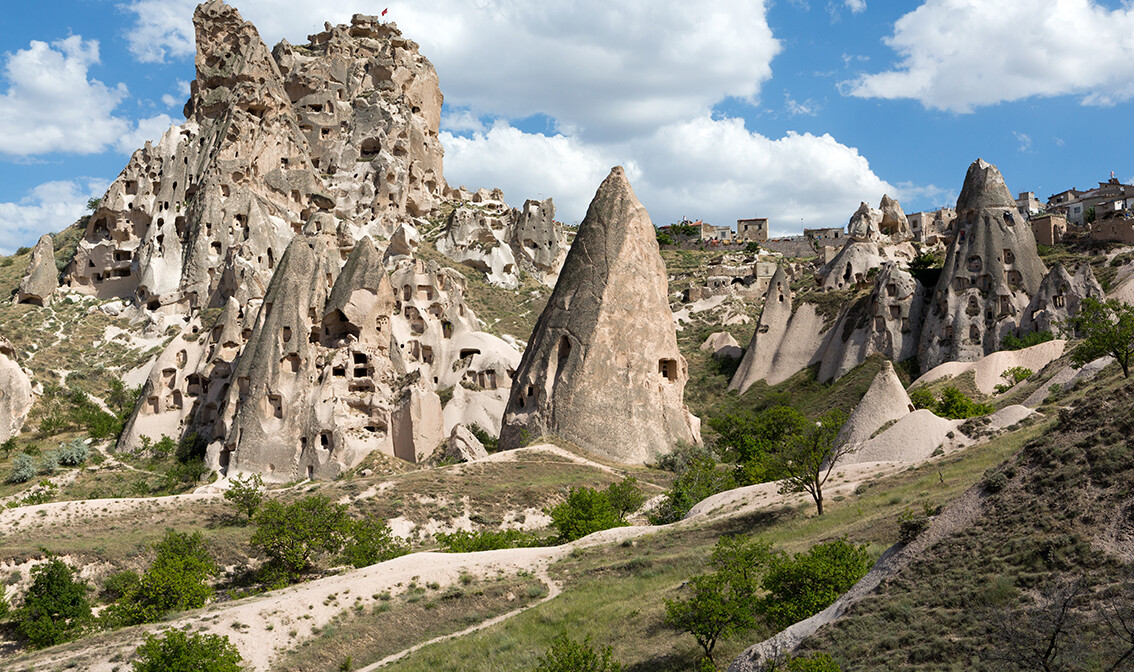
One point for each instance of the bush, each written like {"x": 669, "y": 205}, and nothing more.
{"x": 176, "y": 581}
{"x": 8, "y": 446}
{"x": 74, "y": 453}
{"x": 23, "y": 469}
{"x": 922, "y": 398}
{"x": 749, "y": 438}
{"x": 1013, "y": 342}
{"x": 697, "y": 480}
{"x": 954, "y": 404}
{"x": 178, "y": 651}
{"x": 372, "y": 542}
{"x": 119, "y": 584}
{"x": 911, "y": 525}
{"x": 804, "y": 584}
{"x": 463, "y": 541}
{"x": 567, "y": 655}
{"x": 246, "y": 494}
{"x": 586, "y": 510}
{"x": 294, "y": 535}
{"x": 491, "y": 443}
{"x": 55, "y": 608}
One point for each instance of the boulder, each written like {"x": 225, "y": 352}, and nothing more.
{"x": 463, "y": 446}
{"x": 42, "y": 277}
{"x": 722, "y": 345}
{"x": 416, "y": 424}
{"x": 602, "y": 368}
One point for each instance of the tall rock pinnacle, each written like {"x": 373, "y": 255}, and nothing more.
{"x": 602, "y": 368}
{"x": 991, "y": 271}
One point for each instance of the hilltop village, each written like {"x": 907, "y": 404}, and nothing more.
{"x": 286, "y": 393}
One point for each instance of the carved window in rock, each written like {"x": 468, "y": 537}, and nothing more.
{"x": 182, "y": 357}
{"x": 425, "y": 292}
{"x": 1009, "y": 257}
{"x": 668, "y": 369}
{"x": 1015, "y": 279}
{"x": 291, "y": 363}
{"x": 1005, "y": 305}
{"x": 1059, "y": 301}
{"x": 193, "y": 386}
{"x": 905, "y": 324}
{"x": 974, "y": 333}
{"x": 960, "y": 283}
{"x": 1009, "y": 219}
{"x": 326, "y": 440}
{"x": 435, "y": 310}
{"x": 973, "y": 307}
{"x": 891, "y": 289}
{"x": 975, "y": 264}
{"x": 285, "y": 334}
{"x": 338, "y": 371}
{"x": 310, "y": 472}
{"x": 446, "y": 329}
{"x": 880, "y": 323}
{"x": 489, "y": 380}
{"x": 895, "y": 311}
{"x": 123, "y": 255}
{"x": 168, "y": 377}
{"x": 947, "y": 334}
{"x": 984, "y": 282}
{"x": 426, "y": 354}
{"x": 275, "y": 405}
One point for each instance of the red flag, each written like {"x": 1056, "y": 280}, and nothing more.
{"x": 385, "y": 10}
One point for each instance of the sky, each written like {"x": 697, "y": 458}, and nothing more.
{"x": 797, "y": 110}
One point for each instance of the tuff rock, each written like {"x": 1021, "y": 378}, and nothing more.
{"x": 15, "y": 391}
{"x": 602, "y": 368}
{"x": 42, "y": 277}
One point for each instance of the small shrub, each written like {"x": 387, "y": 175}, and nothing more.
{"x": 804, "y": 584}
{"x": 816, "y": 662}
{"x": 586, "y": 510}
{"x": 910, "y": 525}
{"x": 463, "y": 541}
{"x": 1013, "y": 342}
{"x": 995, "y": 482}
{"x": 8, "y": 446}
{"x": 74, "y": 453}
{"x": 568, "y": 655}
{"x": 370, "y": 542}
{"x": 954, "y": 404}
{"x": 695, "y": 481}
{"x": 119, "y": 584}
{"x": 625, "y": 496}
{"x": 23, "y": 469}
{"x": 491, "y": 443}
{"x": 49, "y": 462}
{"x": 922, "y": 398}
{"x": 246, "y": 494}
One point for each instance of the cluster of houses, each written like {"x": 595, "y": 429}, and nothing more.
{"x": 1102, "y": 213}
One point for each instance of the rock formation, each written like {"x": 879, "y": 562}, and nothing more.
{"x": 885, "y": 401}
{"x": 722, "y": 346}
{"x": 602, "y": 367}
{"x": 500, "y": 242}
{"x": 887, "y": 321}
{"x": 991, "y": 272}
{"x": 1059, "y": 296}
{"x": 785, "y": 340}
{"x": 345, "y": 125}
{"x": 42, "y": 277}
{"x": 15, "y": 391}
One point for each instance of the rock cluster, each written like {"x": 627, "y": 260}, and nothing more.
{"x": 602, "y": 368}
{"x": 42, "y": 277}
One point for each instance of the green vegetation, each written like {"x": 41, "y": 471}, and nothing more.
{"x": 806, "y": 458}
{"x": 1107, "y": 328}
{"x": 246, "y": 494}
{"x": 922, "y": 398}
{"x": 463, "y": 541}
{"x": 55, "y": 608}
{"x": 697, "y": 477}
{"x": 1013, "y": 342}
{"x": 803, "y": 584}
{"x": 1013, "y": 376}
{"x": 177, "y": 651}
{"x": 588, "y": 510}
{"x": 370, "y": 542}
{"x": 23, "y": 469}
{"x": 567, "y": 655}
{"x": 952, "y": 404}
{"x": 177, "y": 580}
{"x": 294, "y": 535}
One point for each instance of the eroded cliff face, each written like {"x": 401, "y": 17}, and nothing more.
{"x": 346, "y": 126}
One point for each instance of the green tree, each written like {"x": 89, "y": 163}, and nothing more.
{"x": 246, "y": 494}
{"x": 625, "y": 496}
{"x": 1107, "y": 328}
{"x": 807, "y": 458}
{"x": 55, "y": 608}
{"x": 567, "y": 655}
{"x": 801, "y": 585}
{"x": 371, "y": 542}
{"x": 8, "y": 445}
{"x": 294, "y": 535}
{"x": 748, "y": 438}
{"x": 178, "y": 651}
{"x": 720, "y": 604}
{"x": 697, "y": 479}
{"x": 93, "y": 204}
{"x": 586, "y": 510}
{"x": 177, "y": 580}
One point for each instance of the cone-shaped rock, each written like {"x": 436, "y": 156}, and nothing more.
{"x": 991, "y": 271}
{"x": 884, "y": 401}
{"x": 42, "y": 277}
{"x": 1060, "y": 295}
{"x": 768, "y": 336}
{"x": 602, "y": 368}
{"x": 15, "y": 392}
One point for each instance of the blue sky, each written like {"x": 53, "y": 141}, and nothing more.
{"x": 793, "y": 109}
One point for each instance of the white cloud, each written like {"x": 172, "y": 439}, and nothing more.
{"x": 808, "y": 108}
{"x": 961, "y": 54}
{"x": 461, "y": 121}
{"x": 50, "y": 207}
{"x": 147, "y": 129}
{"x": 856, "y": 6}
{"x": 714, "y": 169}
{"x": 1025, "y": 141}
{"x": 609, "y": 69}
{"x": 51, "y": 105}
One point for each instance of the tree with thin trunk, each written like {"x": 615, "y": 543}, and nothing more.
{"x": 806, "y": 459}
{"x": 1107, "y": 328}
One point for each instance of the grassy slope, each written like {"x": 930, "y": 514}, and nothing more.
{"x": 1060, "y": 515}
